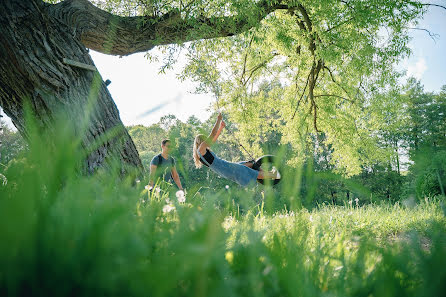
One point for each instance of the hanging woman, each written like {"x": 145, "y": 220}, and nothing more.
{"x": 241, "y": 173}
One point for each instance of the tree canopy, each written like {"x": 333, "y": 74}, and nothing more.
{"x": 299, "y": 68}
{"x": 302, "y": 68}
{"x": 312, "y": 69}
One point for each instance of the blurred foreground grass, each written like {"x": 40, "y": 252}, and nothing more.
{"x": 64, "y": 234}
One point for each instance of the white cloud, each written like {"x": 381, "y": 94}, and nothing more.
{"x": 417, "y": 70}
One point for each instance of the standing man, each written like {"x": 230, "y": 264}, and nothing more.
{"x": 163, "y": 167}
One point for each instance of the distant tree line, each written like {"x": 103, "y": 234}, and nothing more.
{"x": 410, "y": 158}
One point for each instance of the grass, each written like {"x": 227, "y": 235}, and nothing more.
{"x": 64, "y": 234}
{"x": 344, "y": 251}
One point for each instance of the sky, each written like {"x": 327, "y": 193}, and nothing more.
{"x": 143, "y": 95}
{"x": 428, "y": 59}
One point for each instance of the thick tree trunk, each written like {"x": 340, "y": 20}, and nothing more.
{"x": 33, "y": 46}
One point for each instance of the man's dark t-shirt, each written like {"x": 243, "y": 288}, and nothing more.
{"x": 164, "y": 169}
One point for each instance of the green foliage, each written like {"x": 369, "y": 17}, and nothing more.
{"x": 311, "y": 76}
{"x": 426, "y": 113}
{"x": 147, "y": 141}
{"x": 63, "y": 234}
{"x": 66, "y": 234}
{"x": 383, "y": 183}
{"x": 182, "y": 135}
{"x": 428, "y": 174}
{"x": 426, "y": 141}
{"x": 397, "y": 121}
{"x": 12, "y": 144}
{"x": 309, "y": 69}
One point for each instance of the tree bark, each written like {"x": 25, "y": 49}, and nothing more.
{"x": 397, "y": 157}
{"x": 32, "y": 48}
{"x": 116, "y": 35}
{"x": 36, "y": 39}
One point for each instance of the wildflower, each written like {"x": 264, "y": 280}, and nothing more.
{"x": 3, "y": 179}
{"x": 168, "y": 208}
{"x": 180, "y": 196}
{"x": 227, "y": 223}
{"x": 227, "y": 187}
{"x": 357, "y": 200}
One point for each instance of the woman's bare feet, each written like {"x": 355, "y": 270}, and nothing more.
{"x": 273, "y": 174}
{"x": 276, "y": 172}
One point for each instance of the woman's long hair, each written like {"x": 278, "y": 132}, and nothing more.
{"x": 199, "y": 139}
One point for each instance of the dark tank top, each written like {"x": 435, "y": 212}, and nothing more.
{"x": 208, "y": 157}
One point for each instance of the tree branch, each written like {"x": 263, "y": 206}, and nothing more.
{"x": 331, "y": 95}
{"x": 309, "y": 25}
{"x": 303, "y": 92}
{"x": 340, "y": 24}
{"x": 245, "y": 60}
{"x": 312, "y": 84}
{"x": 116, "y": 35}
{"x": 431, "y": 35}
{"x": 257, "y": 67}
{"x": 338, "y": 84}
{"x": 431, "y": 4}
{"x": 315, "y": 117}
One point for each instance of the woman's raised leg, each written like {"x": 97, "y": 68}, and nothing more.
{"x": 247, "y": 163}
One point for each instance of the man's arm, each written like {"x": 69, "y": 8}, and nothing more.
{"x": 152, "y": 174}
{"x": 176, "y": 178}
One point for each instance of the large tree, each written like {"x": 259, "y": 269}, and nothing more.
{"x": 44, "y": 59}
{"x": 45, "y": 63}
{"x": 312, "y": 70}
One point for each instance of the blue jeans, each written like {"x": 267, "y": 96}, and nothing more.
{"x": 236, "y": 172}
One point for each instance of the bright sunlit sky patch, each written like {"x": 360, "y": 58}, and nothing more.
{"x": 428, "y": 60}
{"x": 143, "y": 95}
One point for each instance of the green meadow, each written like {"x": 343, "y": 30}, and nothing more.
{"x": 334, "y": 90}
{"x": 62, "y": 233}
